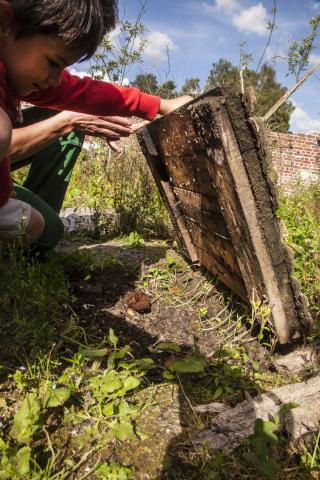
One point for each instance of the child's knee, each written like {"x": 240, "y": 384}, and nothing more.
{"x": 36, "y": 226}
{"x": 5, "y": 133}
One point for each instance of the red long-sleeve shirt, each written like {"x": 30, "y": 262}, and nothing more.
{"x": 83, "y": 95}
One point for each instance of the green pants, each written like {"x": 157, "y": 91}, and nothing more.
{"x": 48, "y": 178}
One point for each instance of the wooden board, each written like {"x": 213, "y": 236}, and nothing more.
{"x": 212, "y": 167}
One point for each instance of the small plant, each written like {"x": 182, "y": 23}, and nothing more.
{"x": 300, "y": 213}
{"x": 135, "y": 240}
{"x": 114, "y": 471}
{"x": 264, "y": 437}
{"x": 310, "y": 462}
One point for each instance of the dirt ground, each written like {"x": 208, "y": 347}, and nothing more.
{"x": 174, "y": 315}
{"x": 182, "y": 300}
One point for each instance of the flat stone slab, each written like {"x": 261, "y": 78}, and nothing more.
{"x": 83, "y": 219}
{"x": 162, "y": 425}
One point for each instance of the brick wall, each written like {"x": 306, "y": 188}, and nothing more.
{"x": 296, "y": 158}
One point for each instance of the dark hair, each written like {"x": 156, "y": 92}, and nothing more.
{"x": 81, "y": 24}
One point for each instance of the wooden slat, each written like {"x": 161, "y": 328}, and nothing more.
{"x": 189, "y": 173}
{"x": 211, "y": 166}
{"x": 167, "y": 193}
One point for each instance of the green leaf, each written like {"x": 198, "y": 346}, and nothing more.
{"x": 130, "y": 383}
{"x": 113, "y": 339}
{"x": 256, "y": 366}
{"x": 104, "y": 385}
{"x": 171, "y": 261}
{"x": 122, "y": 430}
{"x": 122, "y": 352}
{"x": 217, "y": 393}
{"x": 27, "y": 419}
{"x": 108, "y": 409}
{"x": 23, "y": 461}
{"x": 143, "y": 436}
{"x": 168, "y": 375}
{"x": 93, "y": 353}
{"x": 286, "y": 407}
{"x": 173, "y": 347}
{"x": 3, "y": 445}
{"x": 114, "y": 471}
{"x": 56, "y": 397}
{"x": 267, "y": 429}
{"x": 189, "y": 364}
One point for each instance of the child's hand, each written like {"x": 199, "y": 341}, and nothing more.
{"x": 167, "y": 106}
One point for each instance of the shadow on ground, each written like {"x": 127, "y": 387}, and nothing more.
{"x": 170, "y": 422}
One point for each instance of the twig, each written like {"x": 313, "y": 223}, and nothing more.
{"x": 81, "y": 462}
{"x": 290, "y": 92}
{"x": 50, "y": 447}
{"x": 92, "y": 470}
{"x": 187, "y": 398}
{"x": 272, "y": 27}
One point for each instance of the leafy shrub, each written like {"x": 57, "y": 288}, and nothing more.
{"x": 121, "y": 184}
{"x": 300, "y": 212}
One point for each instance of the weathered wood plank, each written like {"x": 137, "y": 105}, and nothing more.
{"x": 232, "y": 426}
{"x": 163, "y": 184}
{"x": 189, "y": 173}
{"x": 259, "y": 270}
{"x": 213, "y": 166}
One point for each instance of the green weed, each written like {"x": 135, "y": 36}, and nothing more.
{"x": 121, "y": 185}
{"x": 301, "y": 215}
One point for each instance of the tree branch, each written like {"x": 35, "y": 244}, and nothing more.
{"x": 288, "y": 94}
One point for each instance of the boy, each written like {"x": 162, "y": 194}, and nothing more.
{"x": 38, "y": 40}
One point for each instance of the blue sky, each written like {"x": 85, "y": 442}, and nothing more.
{"x": 199, "y": 32}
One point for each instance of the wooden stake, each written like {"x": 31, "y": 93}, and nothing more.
{"x": 288, "y": 94}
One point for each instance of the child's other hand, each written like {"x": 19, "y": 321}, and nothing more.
{"x": 168, "y": 105}
{"x": 115, "y": 145}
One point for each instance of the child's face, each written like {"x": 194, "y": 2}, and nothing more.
{"x": 35, "y": 62}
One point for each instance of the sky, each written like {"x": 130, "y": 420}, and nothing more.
{"x": 197, "y": 33}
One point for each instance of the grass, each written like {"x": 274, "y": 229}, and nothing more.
{"x": 72, "y": 398}
{"x": 56, "y": 385}
{"x": 300, "y": 213}
{"x": 122, "y": 183}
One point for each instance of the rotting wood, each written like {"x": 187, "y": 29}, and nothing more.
{"x": 212, "y": 166}
{"x": 298, "y": 361}
{"x": 232, "y": 426}
{"x": 165, "y": 189}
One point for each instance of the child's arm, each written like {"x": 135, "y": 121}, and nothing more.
{"x": 168, "y": 105}
{"x": 97, "y": 97}
{"x": 5, "y": 134}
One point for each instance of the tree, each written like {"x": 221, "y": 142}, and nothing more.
{"x": 147, "y": 82}
{"x": 191, "y": 87}
{"x": 113, "y": 58}
{"x": 267, "y": 90}
{"x": 167, "y": 89}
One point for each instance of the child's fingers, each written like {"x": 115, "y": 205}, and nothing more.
{"x": 115, "y": 146}
{"x": 136, "y": 126}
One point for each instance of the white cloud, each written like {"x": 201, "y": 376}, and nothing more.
{"x": 79, "y": 73}
{"x": 302, "y": 122}
{"x": 114, "y": 37}
{"x": 314, "y": 59}
{"x": 227, "y": 6}
{"x": 159, "y": 44}
{"x": 252, "y": 20}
